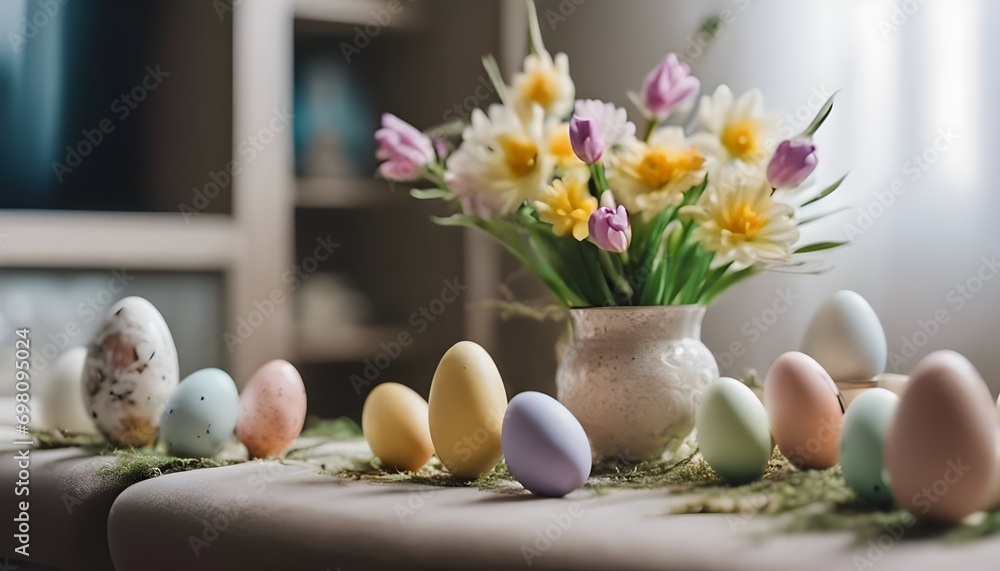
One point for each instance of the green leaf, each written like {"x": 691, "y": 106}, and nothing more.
{"x": 826, "y": 191}
{"x": 810, "y": 219}
{"x": 430, "y": 193}
{"x": 535, "y": 31}
{"x": 493, "y": 71}
{"x": 727, "y": 280}
{"x": 463, "y": 220}
{"x": 824, "y": 112}
{"x": 819, "y": 246}
{"x": 695, "y": 192}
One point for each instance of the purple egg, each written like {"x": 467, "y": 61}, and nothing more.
{"x": 544, "y": 445}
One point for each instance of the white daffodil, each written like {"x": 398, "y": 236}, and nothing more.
{"x": 544, "y": 82}
{"x": 501, "y": 163}
{"x": 648, "y": 177}
{"x": 734, "y": 131}
{"x": 743, "y": 224}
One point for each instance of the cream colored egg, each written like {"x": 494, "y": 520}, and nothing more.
{"x": 805, "y": 411}
{"x": 58, "y": 390}
{"x": 941, "y": 446}
{"x": 394, "y": 421}
{"x": 466, "y": 408}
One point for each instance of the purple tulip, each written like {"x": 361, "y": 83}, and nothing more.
{"x": 667, "y": 86}
{"x": 404, "y": 148}
{"x": 792, "y": 163}
{"x": 586, "y": 138}
{"x": 595, "y": 127}
{"x": 610, "y": 228}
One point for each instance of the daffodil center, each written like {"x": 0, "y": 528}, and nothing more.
{"x": 742, "y": 219}
{"x": 741, "y": 138}
{"x": 520, "y": 154}
{"x": 540, "y": 88}
{"x": 560, "y": 145}
{"x": 660, "y": 166}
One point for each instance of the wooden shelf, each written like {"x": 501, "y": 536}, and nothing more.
{"x": 345, "y": 192}
{"x": 353, "y": 343}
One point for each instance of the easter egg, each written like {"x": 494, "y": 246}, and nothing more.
{"x": 130, "y": 372}
{"x": 805, "y": 411}
{"x": 58, "y": 392}
{"x": 544, "y": 445}
{"x": 734, "y": 435}
{"x": 862, "y": 441}
{"x": 941, "y": 445}
{"x": 846, "y": 338}
{"x": 394, "y": 421}
{"x": 466, "y": 409}
{"x": 201, "y": 414}
{"x": 272, "y": 410}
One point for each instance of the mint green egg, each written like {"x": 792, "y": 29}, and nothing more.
{"x": 734, "y": 435}
{"x": 861, "y": 442}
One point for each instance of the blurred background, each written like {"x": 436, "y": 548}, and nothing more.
{"x": 216, "y": 158}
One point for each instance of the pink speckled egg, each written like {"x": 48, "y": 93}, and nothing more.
{"x": 805, "y": 411}
{"x": 272, "y": 410}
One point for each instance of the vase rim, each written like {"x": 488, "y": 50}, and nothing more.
{"x": 689, "y": 306}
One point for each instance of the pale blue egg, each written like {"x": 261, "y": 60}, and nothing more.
{"x": 861, "y": 443}
{"x": 201, "y": 414}
{"x": 545, "y": 446}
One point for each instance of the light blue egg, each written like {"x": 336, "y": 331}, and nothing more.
{"x": 545, "y": 446}
{"x": 861, "y": 442}
{"x": 201, "y": 414}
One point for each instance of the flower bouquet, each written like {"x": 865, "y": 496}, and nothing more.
{"x": 606, "y": 216}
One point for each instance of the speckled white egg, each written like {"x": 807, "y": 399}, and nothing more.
{"x": 862, "y": 439}
{"x": 545, "y": 446}
{"x": 734, "y": 434}
{"x": 201, "y": 414}
{"x": 846, "y": 337}
{"x": 130, "y": 372}
{"x": 57, "y": 390}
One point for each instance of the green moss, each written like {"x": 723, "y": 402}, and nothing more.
{"x": 135, "y": 465}
{"x": 53, "y": 439}
{"x": 337, "y": 429}
{"x": 432, "y": 474}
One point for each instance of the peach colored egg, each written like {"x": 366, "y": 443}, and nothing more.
{"x": 272, "y": 410}
{"x": 941, "y": 445}
{"x": 805, "y": 411}
{"x": 395, "y": 425}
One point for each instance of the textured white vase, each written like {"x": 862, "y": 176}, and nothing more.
{"x": 634, "y": 376}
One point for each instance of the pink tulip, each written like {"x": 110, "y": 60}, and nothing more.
{"x": 404, "y": 148}
{"x": 667, "y": 86}
{"x": 610, "y": 228}
{"x": 792, "y": 163}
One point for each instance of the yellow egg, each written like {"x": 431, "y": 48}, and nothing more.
{"x": 467, "y": 405}
{"x": 394, "y": 420}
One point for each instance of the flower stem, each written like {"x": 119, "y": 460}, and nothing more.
{"x": 600, "y": 180}
{"x": 650, "y": 127}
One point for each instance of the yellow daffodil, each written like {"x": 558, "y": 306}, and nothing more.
{"x": 567, "y": 205}
{"x": 648, "y": 177}
{"x": 734, "y": 130}
{"x": 544, "y": 82}
{"x": 741, "y": 222}
{"x": 502, "y": 162}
